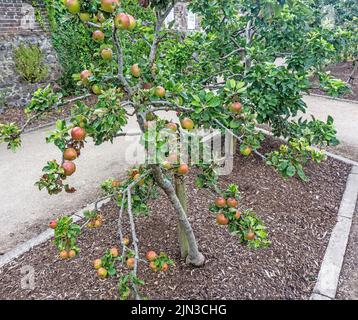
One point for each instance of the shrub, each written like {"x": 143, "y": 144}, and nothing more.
{"x": 29, "y": 63}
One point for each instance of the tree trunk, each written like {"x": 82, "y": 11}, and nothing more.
{"x": 194, "y": 256}
{"x": 181, "y": 194}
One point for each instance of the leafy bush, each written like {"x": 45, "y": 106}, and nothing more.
{"x": 29, "y": 63}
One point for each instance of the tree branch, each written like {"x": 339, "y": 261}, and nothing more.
{"x": 121, "y": 77}
{"x": 158, "y": 26}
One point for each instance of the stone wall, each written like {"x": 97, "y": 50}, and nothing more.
{"x": 18, "y": 25}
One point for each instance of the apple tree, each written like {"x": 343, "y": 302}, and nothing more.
{"x": 222, "y": 77}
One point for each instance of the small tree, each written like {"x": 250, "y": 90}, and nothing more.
{"x": 141, "y": 68}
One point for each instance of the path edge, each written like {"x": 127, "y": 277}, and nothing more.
{"x": 44, "y": 236}
{"x": 328, "y": 277}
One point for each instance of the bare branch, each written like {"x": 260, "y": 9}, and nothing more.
{"x": 238, "y": 138}
{"x": 168, "y": 106}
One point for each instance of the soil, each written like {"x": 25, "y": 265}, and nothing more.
{"x": 299, "y": 217}
{"x": 348, "y": 281}
{"x": 18, "y": 115}
{"x": 342, "y": 71}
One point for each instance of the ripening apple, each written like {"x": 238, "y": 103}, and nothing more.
{"x": 220, "y": 202}
{"x": 85, "y": 74}
{"x": 126, "y": 241}
{"x": 69, "y": 168}
{"x": 98, "y": 35}
{"x": 121, "y": 21}
{"x": 160, "y": 92}
{"x": 114, "y": 252}
{"x": 231, "y": 202}
{"x": 250, "y": 236}
{"x": 221, "y": 219}
{"x": 165, "y": 267}
{"x": 236, "y": 107}
{"x": 107, "y": 53}
{"x": 147, "y": 86}
{"x": 71, "y": 254}
{"x": 78, "y": 134}
{"x": 183, "y": 169}
{"x": 85, "y": 16}
{"x": 246, "y": 151}
{"x": 130, "y": 263}
{"x": 102, "y": 272}
{"x": 97, "y": 264}
{"x": 153, "y": 266}
{"x": 172, "y": 126}
{"x": 132, "y": 22}
{"x": 187, "y": 123}
{"x": 53, "y": 224}
{"x": 109, "y": 5}
{"x": 63, "y": 255}
{"x": 238, "y": 214}
{"x": 116, "y": 183}
{"x": 135, "y": 70}
{"x": 151, "y": 255}
{"x": 96, "y": 89}
{"x": 70, "y": 154}
{"x": 73, "y": 6}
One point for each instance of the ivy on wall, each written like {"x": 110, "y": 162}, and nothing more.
{"x": 71, "y": 40}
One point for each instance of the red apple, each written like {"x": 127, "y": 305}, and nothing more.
{"x": 122, "y": 21}
{"x": 221, "y": 219}
{"x": 135, "y": 70}
{"x": 220, "y": 202}
{"x": 236, "y": 107}
{"x": 151, "y": 255}
{"x": 69, "y": 168}
{"x": 70, "y": 154}
{"x": 85, "y": 74}
{"x": 98, "y": 35}
{"x": 78, "y": 134}
{"x": 53, "y": 224}
{"x": 231, "y": 202}
{"x": 183, "y": 169}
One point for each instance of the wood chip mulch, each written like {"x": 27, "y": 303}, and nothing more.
{"x": 299, "y": 216}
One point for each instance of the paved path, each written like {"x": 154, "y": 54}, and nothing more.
{"x": 345, "y": 115}
{"x": 25, "y": 211}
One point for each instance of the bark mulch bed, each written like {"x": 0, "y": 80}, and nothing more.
{"x": 342, "y": 71}
{"x": 18, "y": 115}
{"x": 299, "y": 217}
